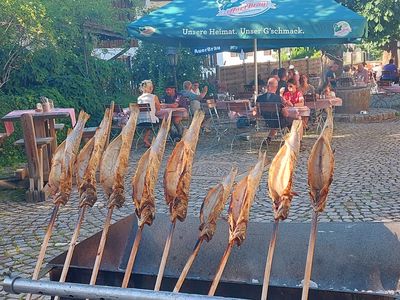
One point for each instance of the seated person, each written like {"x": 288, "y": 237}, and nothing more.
{"x": 146, "y": 87}
{"x": 362, "y": 74}
{"x": 193, "y": 98}
{"x": 282, "y": 82}
{"x": 261, "y": 83}
{"x": 346, "y": 79}
{"x": 271, "y": 97}
{"x": 170, "y": 96}
{"x": 196, "y": 88}
{"x": 330, "y": 75}
{"x": 389, "y": 72}
{"x": 293, "y": 97}
{"x": 326, "y": 91}
{"x": 305, "y": 88}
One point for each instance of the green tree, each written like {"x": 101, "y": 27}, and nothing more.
{"x": 383, "y": 22}
{"x": 150, "y": 62}
{"x": 23, "y": 28}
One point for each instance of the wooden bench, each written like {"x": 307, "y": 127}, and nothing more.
{"x": 89, "y": 132}
{"x": 59, "y": 126}
{"x": 39, "y": 141}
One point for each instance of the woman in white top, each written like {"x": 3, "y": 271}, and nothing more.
{"x": 146, "y": 87}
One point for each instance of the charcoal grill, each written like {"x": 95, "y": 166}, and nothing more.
{"x": 350, "y": 259}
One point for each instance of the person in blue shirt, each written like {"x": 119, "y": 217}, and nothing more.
{"x": 389, "y": 72}
{"x": 330, "y": 75}
{"x": 193, "y": 98}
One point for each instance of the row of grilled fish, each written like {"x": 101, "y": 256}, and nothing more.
{"x": 177, "y": 177}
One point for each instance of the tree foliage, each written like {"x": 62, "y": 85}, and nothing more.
{"x": 151, "y": 62}
{"x": 23, "y": 27}
{"x": 383, "y": 21}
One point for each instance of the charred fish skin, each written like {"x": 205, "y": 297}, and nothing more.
{"x": 178, "y": 172}
{"x": 88, "y": 190}
{"x": 241, "y": 201}
{"x": 213, "y": 205}
{"x": 280, "y": 178}
{"x": 71, "y": 149}
{"x": 53, "y": 185}
{"x": 146, "y": 175}
{"x": 114, "y": 163}
{"x": 321, "y": 164}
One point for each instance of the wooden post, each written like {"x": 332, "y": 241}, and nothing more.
{"x": 132, "y": 257}
{"x": 310, "y": 256}
{"x": 45, "y": 243}
{"x": 102, "y": 244}
{"x": 32, "y": 153}
{"x": 187, "y": 266}
{"x": 268, "y": 264}
{"x": 164, "y": 257}
{"x": 220, "y": 270}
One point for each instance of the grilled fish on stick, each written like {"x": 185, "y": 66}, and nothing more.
{"x": 213, "y": 205}
{"x": 280, "y": 178}
{"x": 321, "y": 165}
{"x": 178, "y": 172}
{"x": 82, "y": 161}
{"x": 53, "y": 185}
{"x": 145, "y": 178}
{"x": 114, "y": 163}
{"x": 242, "y": 198}
{"x": 210, "y": 210}
{"x": 60, "y": 177}
{"x": 87, "y": 188}
{"x": 239, "y": 210}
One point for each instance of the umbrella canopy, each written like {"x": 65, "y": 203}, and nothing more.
{"x": 276, "y": 23}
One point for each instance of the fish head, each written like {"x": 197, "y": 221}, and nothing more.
{"x": 282, "y": 207}
{"x": 117, "y": 198}
{"x": 61, "y": 198}
{"x": 88, "y": 197}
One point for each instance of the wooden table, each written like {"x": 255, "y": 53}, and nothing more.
{"x": 296, "y": 112}
{"x": 176, "y": 112}
{"x": 165, "y": 109}
{"x": 225, "y": 104}
{"x": 324, "y": 103}
{"x": 44, "y": 127}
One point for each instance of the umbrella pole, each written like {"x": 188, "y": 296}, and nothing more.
{"x": 102, "y": 244}
{"x": 164, "y": 257}
{"x": 270, "y": 257}
{"x": 45, "y": 243}
{"x": 280, "y": 58}
{"x": 188, "y": 265}
{"x": 221, "y": 268}
{"x": 310, "y": 256}
{"x": 72, "y": 244}
{"x": 255, "y": 71}
{"x": 132, "y": 257}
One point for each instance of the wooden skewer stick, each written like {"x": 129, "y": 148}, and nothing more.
{"x": 221, "y": 268}
{"x": 45, "y": 243}
{"x": 72, "y": 244}
{"x": 102, "y": 244}
{"x": 310, "y": 256}
{"x": 132, "y": 257}
{"x": 188, "y": 265}
{"x": 164, "y": 257}
{"x": 270, "y": 257}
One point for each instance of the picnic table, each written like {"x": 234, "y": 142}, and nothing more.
{"x": 44, "y": 126}
{"x": 176, "y": 111}
{"x": 225, "y": 104}
{"x": 164, "y": 111}
{"x": 324, "y": 103}
{"x": 296, "y": 112}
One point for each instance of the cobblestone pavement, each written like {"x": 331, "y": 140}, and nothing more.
{"x": 365, "y": 188}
